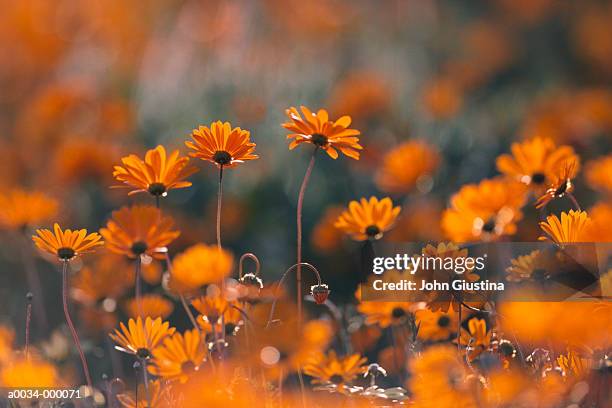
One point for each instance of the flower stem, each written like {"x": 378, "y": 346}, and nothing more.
{"x": 459, "y": 328}
{"x": 27, "y": 328}
{"x": 35, "y": 287}
{"x": 573, "y": 200}
{"x": 73, "y": 331}
{"x": 219, "y": 201}
{"x": 300, "y": 204}
{"x": 138, "y": 286}
{"x": 145, "y": 378}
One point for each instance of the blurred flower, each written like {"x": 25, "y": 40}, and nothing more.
{"x": 200, "y": 265}
{"x": 179, "y": 356}
{"x": 439, "y": 379}
{"x": 211, "y": 306}
{"x": 141, "y": 338}
{"x": 572, "y": 364}
{"x": 100, "y": 279}
{"x": 156, "y": 393}
{"x": 216, "y": 313}
{"x": 598, "y": 174}
{"x": 476, "y": 338}
{"x": 484, "y": 211}
{"x": 20, "y": 209}
{"x": 68, "y": 244}
{"x": 570, "y": 228}
{"x": 442, "y": 97}
{"x": 326, "y": 238}
{"x": 601, "y": 218}
{"x": 7, "y": 337}
{"x": 80, "y": 159}
{"x": 29, "y": 373}
{"x": 405, "y": 164}
{"x": 561, "y": 186}
{"x": 362, "y": 95}
{"x": 368, "y": 219}
{"x": 222, "y": 145}
{"x": 537, "y": 162}
{"x": 338, "y": 371}
{"x": 435, "y": 326}
{"x": 323, "y": 133}
{"x": 386, "y": 314}
{"x": 157, "y": 174}
{"x": 138, "y": 230}
{"x": 151, "y": 305}
{"x": 592, "y": 35}
{"x": 525, "y": 267}
{"x": 414, "y": 225}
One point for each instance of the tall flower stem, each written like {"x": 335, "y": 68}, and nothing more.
{"x": 137, "y": 285}
{"x": 73, "y": 331}
{"x": 145, "y": 379}
{"x": 300, "y": 204}
{"x": 27, "y": 327}
{"x": 573, "y": 200}
{"x": 219, "y": 202}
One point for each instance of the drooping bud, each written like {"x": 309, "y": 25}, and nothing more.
{"x": 319, "y": 293}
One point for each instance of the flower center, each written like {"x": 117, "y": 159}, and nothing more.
{"x": 507, "y": 349}
{"x": 157, "y": 189}
{"x": 443, "y": 321}
{"x": 336, "y": 379}
{"x": 398, "y": 312}
{"x": 319, "y": 139}
{"x": 188, "y": 367}
{"x": 229, "y": 329}
{"x": 562, "y": 189}
{"x": 139, "y": 247}
{"x": 143, "y": 353}
{"x": 65, "y": 253}
{"x": 489, "y": 226}
{"x": 372, "y": 231}
{"x": 222, "y": 157}
{"x": 538, "y": 178}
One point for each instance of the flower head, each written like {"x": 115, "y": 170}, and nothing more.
{"x": 386, "y": 314}
{"x": 20, "y": 208}
{"x": 368, "y": 219}
{"x": 572, "y": 227}
{"x": 29, "y": 373}
{"x": 436, "y": 325}
{"x": 222, "y": 145}
{"x": 67, "y": 244}
{"x": 179, "y": 356}
{"x": 599, "y": 174}
{"x": 200, "y": 265}
{"x": 157, "y": 174}
{"x": 141, "y": 338}
{"x": 336, "y": 370}
{"x": 138, "y": 230}
{"x": 150, "y": 305}
{"x": 405, "y": 164}
{"x": 536, "y": 162}
{"x": 156, "y": 396}
{"x": 477, "y": 337}
{"x": 561, "y": 186}
{"x": 322, "y": 132}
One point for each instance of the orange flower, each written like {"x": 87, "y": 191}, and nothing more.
{"x": 323, "y": 133}
{"x": 477, "y": 337}
{"x": 156, "y": 396}
{"x": 138, "y": 230}
{"x": 150, "y": 305}
{"x": 436, "y": 326}
{"x": 573, "y": 364}
{"x": 157, "y": 174}
{"x": 29, "y": 373}
{"x": 200, "y": 265}
{"x": 601, "y": 219}
{"x": 572, "y": 227}
{"x": 405, "y": 164}
{"x": 325, "y": 237}
{"x": 368, "y": 219}
{"x": 537, "y": 162}
{"x": 386, "y": 314}
{"x": 222, "y": 145}
{"x": 330, "y": 368}
{"x": 562, "y": 185}
{"x": 68, "y": 244}
{"x": 443, "y": 97}
{"x": 20, "y": 209}
{"x": 179, "y": 356}
{"x": 141, "y": 338}
{"x": 599, "y": 174}
{"x": 362, "y": 95}
{"x": 99, "y": 280}
{"x": 484, "y": 211}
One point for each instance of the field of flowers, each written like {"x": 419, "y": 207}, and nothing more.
{"x": 192, "y": 191}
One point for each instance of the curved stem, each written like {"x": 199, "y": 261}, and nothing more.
{"x": 282, "y": 279}
{"x": 573, "y": 200}
{"x": 254, "y": 258}
{"x": 300, "y": 204}
{"x": 73, "y": 331}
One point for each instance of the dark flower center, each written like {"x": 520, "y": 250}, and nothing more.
{"x": 507, "y": 349}
{"x": 443, "y": 321}
{"x": 319, "y": 139}
{"x": 222, "y": 157}
{"x": 188, "y": 367}
{"x": 139, "y": 247}
{"x": 489, "y": 226}
{"x": 336, "y": 379}
{"x": 538, "y": 178}
{"x": 398, "y": 312}
{"x": 143, "y": 353}
{"x": 561, "y": 190}
{"x": 229, "y": 329}
{"x": 65, "y": 253}
{"x": 372, "y": 231}
{"x": 157, "y": 189}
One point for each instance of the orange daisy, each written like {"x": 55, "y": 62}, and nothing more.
{"x": 138, "y": 230}
{"x": 157, "y": 174}
{"x": 221, "y": 144}
{"x": 436, "y": 325}
{"x": 179, "y": 356}
{"x": 331, "y": 369}
{"x": 477, "y": 337}
{"x": 150, "y": 305}
{"x": 323, "y": 133}
{"x": 68, "y": 244}
{"x": 99, "y": 280}
{"x": 200, "y": 265}
{"x": 404, "y": 165}
{"x": 141, "y": 338}
{"x": 563, "y": 185}
{"x": 386, "y": 314}
{"x": 20, "y": 209}
{"x": 368, "y": 219}
{"x": 156, "y": 396}
{"x": 484, "y": 211}
{"x": 572, "y": 227}
{"x": 599, "y": 174}
{"x": 537, "y": 162}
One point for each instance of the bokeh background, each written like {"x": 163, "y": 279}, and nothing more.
{"x": 85, "y": 83}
